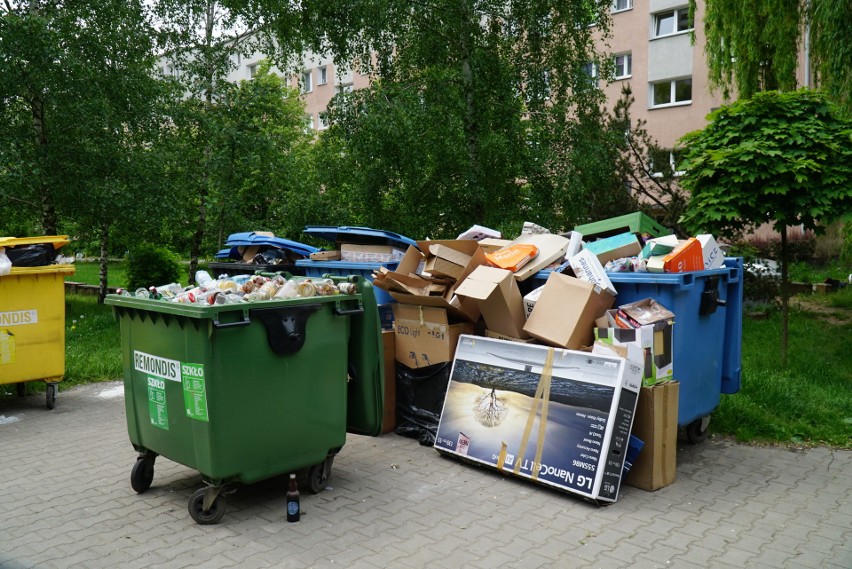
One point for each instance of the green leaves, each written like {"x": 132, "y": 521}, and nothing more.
{"x": 772, "y": 157}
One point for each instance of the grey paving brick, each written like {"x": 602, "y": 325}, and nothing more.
{"x": 394, "y": 503}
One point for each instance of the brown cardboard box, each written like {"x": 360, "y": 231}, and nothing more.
{"x": 499, "y": 299}
{"x": 420, "y": 290}
{"x": 389, "y": 415}
{"x": 655, "y": 424}
{"x": 424, "y": 336}
{"x": 566, "y": 310}
{"x": 355, "y": 253}
{"x": 496, "y": 336}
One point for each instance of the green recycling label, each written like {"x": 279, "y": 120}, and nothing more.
{"x": 194, "y": 391}
{"x": 157, "y": 403}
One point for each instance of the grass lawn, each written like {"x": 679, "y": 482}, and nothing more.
{"x": 810, "y": 402}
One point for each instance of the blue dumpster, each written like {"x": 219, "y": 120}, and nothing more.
{"x": 708, "y": 332}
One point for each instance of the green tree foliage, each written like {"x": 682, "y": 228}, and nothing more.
{"x": 481, "y": 111}
{"x": 831, "y": 50}
{"x": 76, "y": 100}
{"x": 779, "y": 158}
{"x": 755, "y": 46}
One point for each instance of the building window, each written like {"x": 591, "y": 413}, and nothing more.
{"x": 252, "y": 70}
{"x": 323, "y": 120}
{"x": 309, "y": 123}
{"x": 307, "y": 83}
{"x": 590, "y": 75}
{"x": 323, "y": 76}
{"x": 621, "y": 5}
{"x": 672, "y": 22}
{"x": 676, "y": 92}
{"x": 623, "y": 65}
{"x": 344, "y": 88}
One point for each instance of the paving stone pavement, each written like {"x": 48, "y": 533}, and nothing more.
{"x": 66, "y": 501}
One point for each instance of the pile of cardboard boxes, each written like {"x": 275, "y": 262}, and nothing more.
{"x": 514, "y": 348}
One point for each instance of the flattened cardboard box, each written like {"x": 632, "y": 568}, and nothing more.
{"x": 557, "y": 417}
{"x": 656, "y": 426}
{"x": 354, "y": 253}
{"x": 423, "y": 335}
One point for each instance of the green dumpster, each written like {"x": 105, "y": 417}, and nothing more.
{"x": 245, "y": 392}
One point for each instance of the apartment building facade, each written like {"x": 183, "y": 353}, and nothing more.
{"x": 653, "y": 50}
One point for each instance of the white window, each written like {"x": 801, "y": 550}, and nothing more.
{"x": 621, "y": 5}
{"x": 623, "y": 65}
{"x": 591, "y": 71}
{"x": 309, "y": 123}
{"x": 344, "y": 88}
{"x": 675, "y": 92}
{"x": 672, "y": 22}
{"x": 323, "y": 76}
{"x": 323, "y": 121}
{"x": 307, "y": 83}
{"x": 252, "y": 70}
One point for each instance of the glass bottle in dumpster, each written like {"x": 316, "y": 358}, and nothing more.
{"x": 203, "y": 278}
{"x": 293, "y": 509}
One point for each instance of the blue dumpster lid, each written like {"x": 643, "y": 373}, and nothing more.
{"x": 247, "y": 239}
{"x": 359, "y": 235}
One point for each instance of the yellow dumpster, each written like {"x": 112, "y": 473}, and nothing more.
{"x": 32, "y": 319}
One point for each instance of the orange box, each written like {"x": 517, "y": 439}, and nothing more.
{"x": 688, "y": 256}
{"x": 512, "y": 257}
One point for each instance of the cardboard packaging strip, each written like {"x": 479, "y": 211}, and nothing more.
{"x": 656, "y": 425}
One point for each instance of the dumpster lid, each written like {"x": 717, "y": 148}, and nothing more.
{"x": 43, "y": 270}
{"x": 249, "y": 239}
{"x": 56, "y": 240}
{"x": 358, "y": 235}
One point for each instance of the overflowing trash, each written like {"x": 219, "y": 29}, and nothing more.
{"x": 241, "y": 288}
{"x": 534, "y": 355}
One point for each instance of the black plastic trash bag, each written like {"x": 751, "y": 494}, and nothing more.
{"x": 420, "y": 397}
{"x": 37, "y": 255}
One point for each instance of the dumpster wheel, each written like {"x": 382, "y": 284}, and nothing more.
{"x": 696, "y": 431}
{"x": 142, "y": 474}
{"x": 216, "y": 507}
{"x": 319, "y": 474}
{"x": 50, "y": 395}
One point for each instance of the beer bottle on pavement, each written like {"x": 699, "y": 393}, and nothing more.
{"x": 293, "y": 500}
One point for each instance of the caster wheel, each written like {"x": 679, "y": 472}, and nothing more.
{"x": 318, "y": 476}
{"x": 696, "y": 431}
{"x": 50, "y": 395}
{"x": 142, "y": 474}
{"x": 211, "y": 516}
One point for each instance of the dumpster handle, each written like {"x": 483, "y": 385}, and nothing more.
{"x": 244, "y": 322}
{"x": 350, "y": 312}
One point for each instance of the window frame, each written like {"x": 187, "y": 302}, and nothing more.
{"x": 673, "y": 102}
{"x": 629, "y": 74}
{"x": 675, "y": 12}
{"x": 323, "y": 75}
{"x": 616, "y": 9}
{"x": 306, "y": 81}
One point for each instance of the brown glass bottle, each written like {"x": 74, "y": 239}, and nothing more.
{"x": 293, "y": 500}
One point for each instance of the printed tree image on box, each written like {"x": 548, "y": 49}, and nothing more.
{"x": 558, "y": 417}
